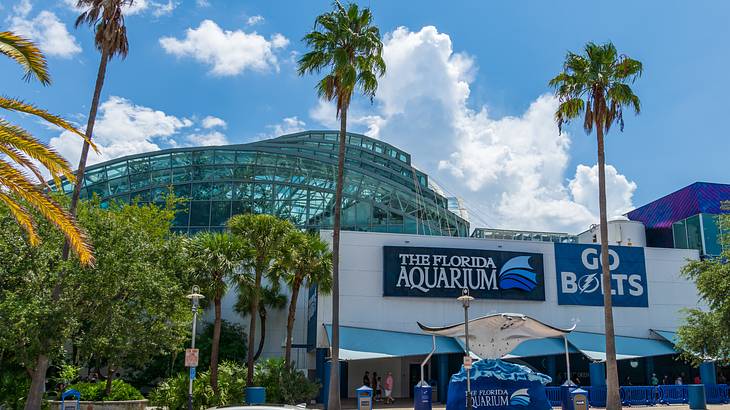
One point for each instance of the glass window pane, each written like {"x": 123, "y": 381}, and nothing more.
{"x": 711, "y": 234}
{"x": 201, "y": 191}
{"x": 241, "y": 207}
{"x": 225, "y": 157}
{"x": 182, "y": 213}
{"x": 220, "y": 212}
{"x": 199, "y": 213}
{"x": 202, "y": 157}
{"x": 139, "y": 165}
{"x": 181, "y": 159}
{"x": 694, "y": 239}
{"x": 115, "y": 171}
{"x": 182, "y": 190}
{"x": 160, "y": 161}
{"x": 118, "y": 185}
{"x": 245, "y": 157}
{"x": 182, "y": 174}
{"x": 161, "y": 177}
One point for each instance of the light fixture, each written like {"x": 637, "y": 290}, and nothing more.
{"x": 634, "y": 364}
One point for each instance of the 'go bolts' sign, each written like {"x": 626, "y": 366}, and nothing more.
{"x": 578, "y": 269}
{"x": 444, "y": 272}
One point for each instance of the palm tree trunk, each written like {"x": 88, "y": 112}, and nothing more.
{"x": 252, "y": 327}
{"x": 109, "y": 378}
{"x": 613, "y": 399}
{"x": 37, "y": 384}
{"x": 262, "y": 340}
{"x": 333, "y": 402}
{"x": 290, "y": 319}
{"x": 216, "y": 343}
{"x": 35, "y": 395}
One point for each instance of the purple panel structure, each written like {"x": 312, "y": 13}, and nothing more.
{"x": 658, "y": 216}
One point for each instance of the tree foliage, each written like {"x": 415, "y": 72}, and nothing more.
{"x": 706, "y": 332}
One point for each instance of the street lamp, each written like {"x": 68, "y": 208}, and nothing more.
{"x": 465, "y": 298}
{"x": 195, "y": 298}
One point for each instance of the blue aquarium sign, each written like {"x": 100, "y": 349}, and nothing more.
{"x": 444, "y": 272}
{"x": 578, "y": 269}
{"x": 498, "y": 385}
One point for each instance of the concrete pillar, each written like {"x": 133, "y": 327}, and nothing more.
{"x": 597, "y": 372}
{"x": 708, "y": 373}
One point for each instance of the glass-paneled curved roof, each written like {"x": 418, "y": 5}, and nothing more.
{"x": 292, "y": 176}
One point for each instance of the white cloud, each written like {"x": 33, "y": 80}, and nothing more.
{"x": 511, "y": 170}
{"x": 162, "y": 9}
{"x": 202, "y": 3}
{"x": 209, "y": 138}
{"x": 46, "y": 29}
{"x": 288, "y": 125}
{"x": 124, "y": 128}
{"x": 213, "y": 122}
{"x": 228, "y": 52}
{"x": 254, "y": 20}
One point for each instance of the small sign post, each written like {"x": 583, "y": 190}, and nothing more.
{"x": 191, "y": 357}
{"x": 467, "y": 362}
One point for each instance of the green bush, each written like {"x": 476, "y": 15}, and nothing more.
{"x": 121, "y": 390}
{"x": 13, "y": 388}
{"x": 284, "y": 384}
{"x": 172, "y": 393}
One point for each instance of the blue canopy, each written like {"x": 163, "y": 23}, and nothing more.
{"x": 357, "y": 343}
{"x": 670, "y": 337}
{"x": 593, "y": 345}
{"x": 541, "y": 347}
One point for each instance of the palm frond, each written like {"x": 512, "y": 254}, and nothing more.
{"x": 18, "y": 184}
{"x": 17, "y": 138}
{"x": 12, "y": 104}
{"x": 25, "y": 53}
{"x": 24, "y": 219}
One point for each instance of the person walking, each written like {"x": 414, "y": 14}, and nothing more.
{"x": 378, "y": 389}
{"x": 366, "y": 379}
{"x": 389, "y": 388}
{"x": 654, "y": 380}
{"x": 374, "y": 383}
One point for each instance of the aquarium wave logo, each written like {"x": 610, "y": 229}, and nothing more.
{"x": 518, "y": 274}
{"x": 519, "y": 398}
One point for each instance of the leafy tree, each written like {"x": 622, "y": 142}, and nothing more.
{"x": 595, "y": 85}
{"x": 270, "y": 297}
{"x": 264, "y": 236}
{"x": 706, "y": 332}
{"x": 218, "y": 258}
{"x": 284, "y": 384}
{"x": 345, "y": 44}
{"x": 20, "y": 149}
{"x": 132, "y": 305}
{"x": 307, "y": 261}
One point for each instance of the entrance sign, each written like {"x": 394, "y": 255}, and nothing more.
{"x": 578, "y": 269}
{"x": 191, "y": 357}
{"x": 498, "y": 385}
{"x": 444, "y": 272}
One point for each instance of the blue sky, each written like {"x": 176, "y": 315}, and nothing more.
{"x": 466, "y": 91}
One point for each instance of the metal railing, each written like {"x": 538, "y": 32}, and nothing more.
{"x": 645, "y": 395}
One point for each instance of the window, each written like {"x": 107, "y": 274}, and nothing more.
{"x": 220, "y": 212}
{"x": 199, "y": 213}
{"x": 160, "y": 161}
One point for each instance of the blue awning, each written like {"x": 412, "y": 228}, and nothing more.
{"x": 670, "y": 337}
{"x": 358, "y": 343}
{"x": 541, "y": 347}
{"x": 593, "y": 345}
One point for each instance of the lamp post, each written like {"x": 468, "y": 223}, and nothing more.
{"x": 465, "y": 298}
{"x": 195, "y": 297}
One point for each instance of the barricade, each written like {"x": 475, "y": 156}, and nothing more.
{"x": 716, "y": 393}
{"x": 639, "y": 395}
{"x": 673, "y": 394}
{"x": 596, "y": 396}
{"x": 553, "y": 395}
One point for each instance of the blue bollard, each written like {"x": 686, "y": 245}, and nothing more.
{"x": 422, "y": 397}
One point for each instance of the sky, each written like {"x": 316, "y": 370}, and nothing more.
{"x": 465, "y": 92}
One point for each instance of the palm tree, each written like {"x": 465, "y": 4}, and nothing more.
{"x": 217, "y": 257}
{"x": 21, "y": 148}
{"x": 18, "y": 191}
{"x": 107, "y": 19}
{"x": 271, "y": 298}
{"x": 308, "y": 260}
{"x": 264, "y": 235}
{"x": 346, "y": 44}
{"x": 596, "y": 86}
